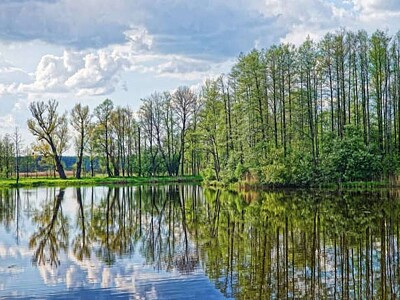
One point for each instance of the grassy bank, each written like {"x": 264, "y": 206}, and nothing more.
{"x": 93, "y": 181}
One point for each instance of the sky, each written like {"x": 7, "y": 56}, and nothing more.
{"x": 86, "y": 51}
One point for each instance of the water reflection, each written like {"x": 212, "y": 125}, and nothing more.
{"x": 297, "y": 245}
{"x": 136, "y": 240}
{"x": 51, "y": 236}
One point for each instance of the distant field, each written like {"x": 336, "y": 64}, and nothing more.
{"x": 46, "y": 174}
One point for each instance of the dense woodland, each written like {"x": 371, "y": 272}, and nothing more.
{"x": 325, "y": 111}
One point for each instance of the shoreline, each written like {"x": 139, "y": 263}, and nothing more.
{"x": 95, "y": 181}
{"x": 243, "y": 185}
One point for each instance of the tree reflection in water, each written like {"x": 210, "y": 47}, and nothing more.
{"x": 302, "y": 245}
{"x": 8, "y": 205}
{"x": 149, "y": 219}
{"x": 81, "y": 242}
{"x": 52, "y": 233}
{"x": 251, "y": 245}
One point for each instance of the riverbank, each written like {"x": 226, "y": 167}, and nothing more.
{"x": 242, "y": 185}
{"x": 358, "y": 185}
{"x": 96, "y": 181}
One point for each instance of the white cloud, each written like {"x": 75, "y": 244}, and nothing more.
{"x": 7, "y": 123}
{"x": 182, "y": 67}
{"x": 98, "y": 72}
{"x": 306, "y": 17}
{"x": 315, "y": 18}
{"x": 88, "y": 72}
{"x": 371, "y": 6}
{"x": 139, "y": 39}
{"x": 9, "y": 74}
{"x": 50, "y": 74}
{"x": 8, "y": 89}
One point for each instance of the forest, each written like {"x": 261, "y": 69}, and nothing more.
{"x": 325, "y": 111}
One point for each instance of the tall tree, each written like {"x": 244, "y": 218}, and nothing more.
{"x": 103, "y": 113}
{"x": 211, "y": 125}
{"x": 184, "y": 102}
{"x": 147, "y": 119}
{"x": 47, "y": 125}
{"x": 80, "y": 121}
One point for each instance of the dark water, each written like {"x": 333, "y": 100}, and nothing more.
{"x": 186, "y": 242}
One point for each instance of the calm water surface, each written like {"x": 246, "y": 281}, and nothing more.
{"x": 186, "y": 242}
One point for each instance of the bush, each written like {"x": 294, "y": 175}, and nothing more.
{"x": 348, "y": 158}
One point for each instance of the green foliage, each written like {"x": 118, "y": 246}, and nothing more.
{"x": 234, "y": 170}
{"x": 208, "y": 174}
{"x": 300, "y": 168}
{"x": 348, "y": 159}
{"x": 274, "y": 167}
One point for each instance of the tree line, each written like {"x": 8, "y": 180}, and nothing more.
{"x": 150, "y": 142}
{"x": 323, "y": 111}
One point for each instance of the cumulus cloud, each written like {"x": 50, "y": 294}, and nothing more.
{"x": 77, "y": 72}
{"x": 98, "y": 72}
{"x": 87, "y": 72}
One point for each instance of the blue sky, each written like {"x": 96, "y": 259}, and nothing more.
{"x": 86, "y": 51}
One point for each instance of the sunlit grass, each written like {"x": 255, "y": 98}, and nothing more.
{"x": 33, "y": 182}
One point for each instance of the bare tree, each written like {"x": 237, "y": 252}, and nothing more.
{"x": 47, "y": 125}
{"x": 80, "y": 121}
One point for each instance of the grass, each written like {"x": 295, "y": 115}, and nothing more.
{"x": 93, "y": 181}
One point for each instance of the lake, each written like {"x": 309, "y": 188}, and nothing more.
{"x": 190, "y": 242}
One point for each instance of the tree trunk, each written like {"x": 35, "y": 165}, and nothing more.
{"x": 79, "y": 163}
